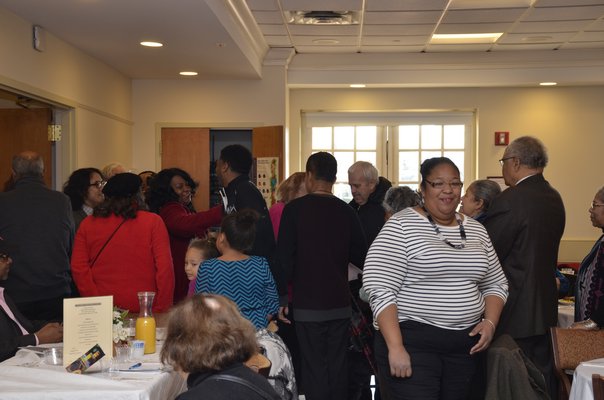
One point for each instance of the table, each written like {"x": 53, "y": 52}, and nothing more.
{"x": 566, "y": 315}
{"x": 581, "y": 388}
{"x": 25, "y": 376}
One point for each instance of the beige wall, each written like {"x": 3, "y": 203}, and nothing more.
{"x": 569, "y": 121}
{"x": 99, "y": 95}
{"x": 209, "y": 104}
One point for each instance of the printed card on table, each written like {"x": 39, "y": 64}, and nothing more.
{"x": 87, "y": 321}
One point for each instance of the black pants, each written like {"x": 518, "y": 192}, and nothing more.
{"x": 43, "y": 310}
{"x": 324, "y": 366}
{"x": 442, "y": 367}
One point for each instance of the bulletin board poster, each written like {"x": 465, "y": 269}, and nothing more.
{"x": 267, "y": 177}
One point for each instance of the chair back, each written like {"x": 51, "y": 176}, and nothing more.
{"x": 571, "y": 347}
{"x": 597, "y": 382}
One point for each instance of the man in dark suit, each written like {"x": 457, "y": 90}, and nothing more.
{"x": 16, "y": 330}
{"x": 526, "y": 223}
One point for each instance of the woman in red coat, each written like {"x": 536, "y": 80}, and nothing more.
{"x": 121, "y": 250}
{"x": 169, "y": 195}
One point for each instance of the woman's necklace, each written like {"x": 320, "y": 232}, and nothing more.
{"x": 462, "y": 231}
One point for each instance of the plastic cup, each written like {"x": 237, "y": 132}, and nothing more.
{"x": 137, "y": 350}
{"x": 53, "y": 356}
{"x": 121, "y": 353}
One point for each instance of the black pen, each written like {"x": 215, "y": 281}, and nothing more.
{"x": 135, "y": 366}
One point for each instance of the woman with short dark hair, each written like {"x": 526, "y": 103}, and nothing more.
{"x": 85, "y": 190}
{"x": 207, "y": 342}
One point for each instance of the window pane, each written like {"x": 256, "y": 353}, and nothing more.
{"x": 454, "y": 136}
{"x": 321, "y": 137}
{"x": 345, "y": 159}
{"x": 408, "y": 137}
{"x": 458, "y": 158}
{"x": 369, "y": 156}
{"x": 430, "y": 154}
{"x": 342, "y": 191}
{"x": 343, "y": 137}
{"x": 431, "y": 136}
{"x": 366, "y": 137}
{"x": 408, "y": 166}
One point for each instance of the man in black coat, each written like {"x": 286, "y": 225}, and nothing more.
{"x": 40, "y": 221}
{"x": 16, "y": 330}
{"x": 368, "y": 191}
{"x": 526, "y": 223}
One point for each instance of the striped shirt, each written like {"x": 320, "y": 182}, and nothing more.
{"x": 429, "y": 281}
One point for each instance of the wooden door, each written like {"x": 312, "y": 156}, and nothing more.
{"x": 24, "y": 129}
{"x": 189, "y": 149}
{"x": 267, "y": 141}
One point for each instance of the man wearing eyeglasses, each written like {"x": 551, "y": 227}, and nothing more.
{"x": 526, "y": 223}
{"x": 40, "y": 221}
{"x": 16, "y": 330}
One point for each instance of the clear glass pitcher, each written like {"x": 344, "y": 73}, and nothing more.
{"x": 145, "y": 323}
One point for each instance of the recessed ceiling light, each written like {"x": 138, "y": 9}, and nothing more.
{"x": 152, "y": 44}
{"x": 357, "y": 85}
{"x": 326, "y": 41}
{"x": 548, "y": 83}
{"x": 188, "y": 73}
{"x": 465, "y": 38}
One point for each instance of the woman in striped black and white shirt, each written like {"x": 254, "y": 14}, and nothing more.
{"x": 436, "y": 289}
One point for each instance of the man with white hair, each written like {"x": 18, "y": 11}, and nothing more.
{"x": 40, "y": 221}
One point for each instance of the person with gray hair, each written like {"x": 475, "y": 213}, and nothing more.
{"x": 398, "y": 198}
{"x": 40, "y": 221}
{"x": 525, "y": 223}
{"x": 478, "y": 197}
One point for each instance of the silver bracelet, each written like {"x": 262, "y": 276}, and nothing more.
{"x": 490, "y": 322}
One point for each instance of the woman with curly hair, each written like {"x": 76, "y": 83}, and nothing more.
{"x": 85, "y": 190}
{"x": 121, "y": 249}
{"x": 169, "y": 195}
{"x": 208, "y": 342}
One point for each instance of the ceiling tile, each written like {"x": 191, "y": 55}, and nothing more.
{"x": 263, "y": 5}
{"x": 394, "y": 40}
{"x": 278, "y": 41}
{"x": 342, "y": 30}
{"x": 273, "y": 29}
{"x": 526, "y": 47}
{"x": 402, "y": 17}
{"x": 491, "y": 15}
{"x": 589, "y": 37}
{"x": 550, "y": 26}
{"x": 326, "y": 49}
{"x": 473, "y": 28}
{"x": 564, "y": 13}
{"x": 386, "y": 30}
{"x": 474, "y": 4}
{"x": 446, "y": 48}
{"x": 407, "y": 5}
{"x": 583, "y": 45}
{"x": 522, "y": 38}
{"x": 321, "y": 5}
{"x": 308, "y": 40}
{"x": 268, "y": 17}
{"x": 554, "y": 3}
{"x": 391, "y": 49}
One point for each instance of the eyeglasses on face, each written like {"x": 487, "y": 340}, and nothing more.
{"x": 504, "y": 159}
{"x": 595, "y": 205}
{"x": 98, "y": 184}
{"x": 439, "y": 185}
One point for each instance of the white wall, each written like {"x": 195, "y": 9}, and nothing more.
{"x": 198, "y": 103}
{"x": 99, "y": 95}
{"x": 568, "y": 120}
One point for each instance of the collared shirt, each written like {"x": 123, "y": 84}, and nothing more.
{"x": 9, "y": 312}
{"x": 526, "y": 177}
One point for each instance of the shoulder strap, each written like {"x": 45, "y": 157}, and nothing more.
{"x": 243, "y": 382}
{"x": 103, "y": 248}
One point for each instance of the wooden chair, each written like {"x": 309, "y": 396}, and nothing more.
{"x": 571, "y": 347}
{"x": 597, "y": 382}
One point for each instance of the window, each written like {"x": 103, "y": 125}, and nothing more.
{"x": 396, "y": 143}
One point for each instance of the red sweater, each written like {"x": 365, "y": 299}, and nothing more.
{"x": 136, "y": 259}
{"x": 183, "y": 225}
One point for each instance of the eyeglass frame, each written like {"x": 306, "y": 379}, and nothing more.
{"x": 452, "y": 185}
{"x": 99, "y": 184}
{"x": 503, "y": 160}
{"x": 595, "y": 205}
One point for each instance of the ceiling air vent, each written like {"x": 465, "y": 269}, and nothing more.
{"x": 322, "y": 17}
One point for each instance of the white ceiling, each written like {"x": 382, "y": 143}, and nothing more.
{"x": 232, "y": 39}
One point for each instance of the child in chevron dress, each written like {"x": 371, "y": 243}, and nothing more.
{"x": 247, "y": 281}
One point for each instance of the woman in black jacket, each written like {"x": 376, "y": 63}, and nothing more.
{"x": 208, "y": 342}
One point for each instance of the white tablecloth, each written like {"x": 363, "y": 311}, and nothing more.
{"x": 581, "y": 388}
{"x": 566, "y": 315}
{"x": 25, "y": 376}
